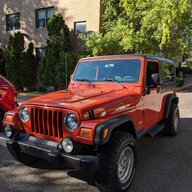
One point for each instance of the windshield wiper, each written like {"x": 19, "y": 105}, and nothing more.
{"x": 116, "y": 82}
{"x": 86, "y": 80}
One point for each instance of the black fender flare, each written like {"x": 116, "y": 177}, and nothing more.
{"x": 171, "y": 98}
{"x": 111, "y": 125}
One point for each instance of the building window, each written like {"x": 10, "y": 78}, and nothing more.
{"x": 40, "y": 53}
{"x": 80, "y": 27}
{"x": 13, "y": 21}
{"x": 43, "y": 16}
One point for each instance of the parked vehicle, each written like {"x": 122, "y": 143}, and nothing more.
{"x": 111, "y": 102}
{"x": 8, "y": 97}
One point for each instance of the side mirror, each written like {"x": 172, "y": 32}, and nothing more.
{"x": 156, "y": 78}
{"x": 71, "y": 76}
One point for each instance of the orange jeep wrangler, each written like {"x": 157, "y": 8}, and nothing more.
{"x": 110, "y": 103}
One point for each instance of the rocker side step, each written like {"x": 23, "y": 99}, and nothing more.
{"x": 156, "y": 129}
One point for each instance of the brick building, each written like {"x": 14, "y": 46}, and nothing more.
{"x": 31, "y": 17}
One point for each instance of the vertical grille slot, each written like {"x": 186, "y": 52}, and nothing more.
{"x": 60, "y": 123}
{"x": 47, "y": 122}
{"x": 40, "y": 121}
{"x": 36, "y": 120}
{"x": 32, "y": 120}
{"x": 55, "y": 123}
{"x": 50, "y": 132}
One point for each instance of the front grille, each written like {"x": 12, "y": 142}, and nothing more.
{"x": 47, "y": 122}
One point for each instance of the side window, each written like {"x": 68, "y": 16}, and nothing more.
{"x": 152, "y": 67}
{"x": 168, "y": 72}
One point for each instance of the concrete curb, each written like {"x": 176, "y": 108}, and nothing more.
{"x": 184, "y": 87}
{"x": 32, "y": 94}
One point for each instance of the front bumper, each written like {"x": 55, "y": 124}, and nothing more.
{"x": 49, "y": 151}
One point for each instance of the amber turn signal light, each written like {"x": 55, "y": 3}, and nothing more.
{"x": 8, "y": 119}
{"x": 105, "y": 133}
{"x": 86, "y": 132}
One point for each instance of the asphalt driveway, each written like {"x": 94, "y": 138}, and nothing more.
{"x": 164, "y": 165}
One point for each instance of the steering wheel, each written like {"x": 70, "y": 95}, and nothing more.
{"x": 130, "y": 78}
{"x": 117, "y": 77}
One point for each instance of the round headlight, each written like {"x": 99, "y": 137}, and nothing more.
{"x": 67, "y": 145}
{"x": 24, "y": 114}
{"x": 71, "y": 121}
{"x": 8, "y": 131}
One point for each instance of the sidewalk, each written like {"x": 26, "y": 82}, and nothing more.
{"x": 24, "y": 96}
{"x": 187, "y": 83}
{"x": 33, "y": 93}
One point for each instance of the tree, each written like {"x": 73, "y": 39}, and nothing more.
{"x": 163, "y": 24}
{"x": 14, "y": 59}
{"x": 65, "y": 68}
{"x": 20, "y": 64}
{"x": 144, "y": 26}
{"x": 29, "y": 68}
{"x": 57, "y": 44}
{"x": 2, "y": 63}
{"x": 102, "y": 44}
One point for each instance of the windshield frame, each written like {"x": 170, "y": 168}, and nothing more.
{"x": 110, "y": 60}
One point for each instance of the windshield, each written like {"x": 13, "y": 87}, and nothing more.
{"x": 118, "y": 70}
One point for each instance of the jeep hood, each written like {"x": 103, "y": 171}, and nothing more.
{"x": 84, "y": 100}
{"x": 68, "y": 97}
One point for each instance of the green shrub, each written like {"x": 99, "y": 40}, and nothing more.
{"x": 179, "y": 82}
{"x": 57, "y": 46}
{"x": 14, "y": 59}
{"x": 186, "y": 70}
{"x": 41, "y": 88}
{"x": 21, "y": 66}
{"x": 2, "y": 63}
{"x": 65, "y": 68}
{"x": 29, "y": 69}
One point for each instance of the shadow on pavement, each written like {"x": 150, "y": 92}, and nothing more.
{"x": 84, "y": 176}
{"x": 162, "y": 162}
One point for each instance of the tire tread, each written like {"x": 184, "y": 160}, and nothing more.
{"x": 105, "y": 178}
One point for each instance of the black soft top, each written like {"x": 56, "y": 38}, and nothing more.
{"x": 159, "y": 58}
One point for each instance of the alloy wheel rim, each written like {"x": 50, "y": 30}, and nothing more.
{"x": 125, "y": 165}
{"x": 176, "y": 121}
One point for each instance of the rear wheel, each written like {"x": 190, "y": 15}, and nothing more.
{"x": 173, "y": 121}
{"x": 117, "y": 163}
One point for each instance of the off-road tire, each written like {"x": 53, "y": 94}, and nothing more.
{"x": 172, "y": 122}
{"x": 107, "y": 179}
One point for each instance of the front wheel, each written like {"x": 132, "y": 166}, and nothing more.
{"x": 118, "y": 161}
{"x": 173, "y": 120}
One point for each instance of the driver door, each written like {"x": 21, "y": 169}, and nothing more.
{"x": 152, "y": 96}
